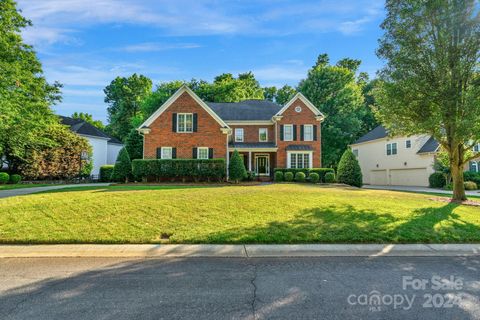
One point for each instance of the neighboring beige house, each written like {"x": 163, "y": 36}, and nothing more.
{"x": 404, "y": 161}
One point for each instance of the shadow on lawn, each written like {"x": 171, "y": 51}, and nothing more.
{"x": 121, "y": 188}
{"x": 348, "y": 224}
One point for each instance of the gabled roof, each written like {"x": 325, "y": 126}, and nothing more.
{"x": 245, "y": 110}
{"x": 82, "y": 127}
{"x": 377, "y": 133}
{"x": 430, "y": 146}
{"x": 307, "y": 102}
{"x": 183, "y": 89}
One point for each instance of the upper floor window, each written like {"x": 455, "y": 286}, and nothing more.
{"x": 263, "y": 135}
{"x": 288, "y": 132}
{"x": 185, "y": 122}
{"x": 408, "y": 144}
{"x": 308, "y": 132}
{"x": 238, "y": 134}
{"x": 476, "y": 148}
{"x": 391, "y": 148}
{"x": 166, "y": 152}
{"x": 355, "y": 152}
{"x": 202, "y": 153}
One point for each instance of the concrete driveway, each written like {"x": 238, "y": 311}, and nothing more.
{"x": 240, "y": 288}
{"x": 23, "y": 191}
{"x": 418, "y": 189}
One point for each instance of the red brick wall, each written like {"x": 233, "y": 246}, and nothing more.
{"x": 207, "y": 135}
{"x": 306, "y": 116}
{"x": 250, "y": 133}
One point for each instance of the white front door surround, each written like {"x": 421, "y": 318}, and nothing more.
{"x": 262, "y": 164}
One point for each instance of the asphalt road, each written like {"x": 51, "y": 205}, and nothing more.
{"x": 241, "y": 288}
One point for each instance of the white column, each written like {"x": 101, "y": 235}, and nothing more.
{"x": 249, "y": 160}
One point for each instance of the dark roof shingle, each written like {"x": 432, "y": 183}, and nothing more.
{"x": 245, "y": 110}
{"x": 430, "y": 146}
{"x": 82, "y": 127}
{"x": 299, "y": 147}
{"x": 377, "y": 133}
{"x": 254, "y": 145}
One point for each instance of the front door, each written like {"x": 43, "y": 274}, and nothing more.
{"x": 262, "y": 165}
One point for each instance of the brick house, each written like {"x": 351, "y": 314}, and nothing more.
{"x": 266, "y": 134}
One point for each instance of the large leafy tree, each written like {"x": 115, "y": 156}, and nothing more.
{"x": 431, "y": 81}
{"x": 124, "y": 96}
{"x": 284, "y": 94}
{"x": 25, "y": 95}
{"x": 88, "y": 118}
{"x": 335, "y": 91}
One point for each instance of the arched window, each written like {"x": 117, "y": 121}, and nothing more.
{"x": 474, "y": 166}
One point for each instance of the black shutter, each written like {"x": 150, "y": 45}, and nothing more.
{"x": 195, "y": 122}
{"x": 294, "y": 132}
{"x": 301, "y": 132}
{"x": 174, "y": 122}
{"x": 210, "y": 153}
{"x": 194, "y": 153}
{"x": 315, "y": 133}
{"x": 159, "y": 153}
{"x": 174, "y": 153}
{"x": 281, "y": 132}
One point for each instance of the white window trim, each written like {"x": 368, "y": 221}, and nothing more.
{"x": 310, "y": 160}
{"x": 406, "y": 145}
{"x": 391, "y": 147}
{"x": 198, "y": 152}
{"x": 178, "y": 122}
{"x": 304, "y": 132}
{"x": 243, "y": 133}
{"x": 476, "y": 165}
{"x": 284, "y": 131}
{"x": 171, "y": 153}
{"x": 266, "y": 134}
{"x": 355, "y": 152}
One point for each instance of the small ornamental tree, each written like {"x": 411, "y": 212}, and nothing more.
{"x": 349, "y": 171}
{"x": 123, "y": 167}
{"x": 236, "y": 168}
{"x": 134, "y": 144}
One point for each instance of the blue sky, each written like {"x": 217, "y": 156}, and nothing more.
{"x": 84, "y": 44}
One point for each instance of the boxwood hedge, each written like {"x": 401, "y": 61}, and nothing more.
{"x": 320, "y": 171}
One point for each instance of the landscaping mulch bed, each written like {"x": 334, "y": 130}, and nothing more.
{"x": 465, "y": 202}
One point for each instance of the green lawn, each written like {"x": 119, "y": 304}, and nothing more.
{"x": 21, "y": 186}
{"x": 277, "y": 213}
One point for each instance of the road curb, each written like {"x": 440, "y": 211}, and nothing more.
{"x": 240, "y": 251}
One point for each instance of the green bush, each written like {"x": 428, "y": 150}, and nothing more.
{"x": 320, "y": 171}
{"x": 236, "y": 168}
{"x": 278, "y": 176}
{"x": 349, "y": 171}
{"x": 15, "y": 178}
{"x": 250, "y": 176}
{"x": 472, "y": 176}
{"x": 330, "y": 177}
{"x": 288, "y": 176}
{"x": 314, "y": 177}
{"x": 122, "y": 171}
{"x": 437, "y": 180}
{"x": 179, "y": 169}
{"x": 300, "y": 177}
{"x": 470, "y": 185}
{"x": 106, "y": 173}
{"x": 4, "y": 177}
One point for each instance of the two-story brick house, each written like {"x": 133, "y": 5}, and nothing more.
{"x": 266, "y": 134}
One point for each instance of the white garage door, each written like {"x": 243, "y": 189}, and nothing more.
{"x": 409, "y": 177}
{"x": 378, "y": 177}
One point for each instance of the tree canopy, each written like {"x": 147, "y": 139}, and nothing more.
{"x": 88, "y": 118}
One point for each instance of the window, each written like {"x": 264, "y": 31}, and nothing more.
{"x": 391, "y": 148}
{"x": 298, "y": 109}
{"x": 262, "y": 134}
{"x": 308, "y": 132}
{"x": 299, "y": 160}
{"x": 166, "y": 152}
{"x": 476, "y": 148}
{"x": 202, "y": 153}
{"x": 288, "y": 132}
{"x": 239, "y": 135}
{"x": 408, "y": 144}
{"x": 185, "y": 122}
{"x": 355, "y": 152}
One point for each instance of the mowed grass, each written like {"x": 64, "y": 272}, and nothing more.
{"x": 276, "y": 213}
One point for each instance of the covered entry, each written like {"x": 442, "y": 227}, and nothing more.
{"x": 257, "y": 157}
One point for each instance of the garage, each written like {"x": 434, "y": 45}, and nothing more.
{"x": 378, "y": 177}
{"x": 409, "y": 177}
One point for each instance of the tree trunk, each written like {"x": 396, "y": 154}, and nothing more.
{"x": 458, "y": 183}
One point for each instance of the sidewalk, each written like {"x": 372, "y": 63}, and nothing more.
{"x": 23, "y": 191}
{"x": 240, "y": 251}
{"x": 418, "y": 189}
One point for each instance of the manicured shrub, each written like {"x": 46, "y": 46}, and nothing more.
{"x": 330, "y": 177}
{"x": 278, "y": 176}
{"x": 4, "y": 177}
{"x": 300, "y": 177}
{"x": 349, "y": 171}
{"x": 472, "y": 176}
{"x": 179, "y": 169}
{"x": 314, "y": 177}
{"x": 288, "y": 176}
{"x": 122, "y": 171}
{"x": 250, "y": 176}
{"x": 236, "y": 168}
{"x": 437, "y": 180}
{"x": 320, "y": 171}
{"x": 470, "y": 185}
{"x": 106, "y": 173}
{"x": 15, "y": 178}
